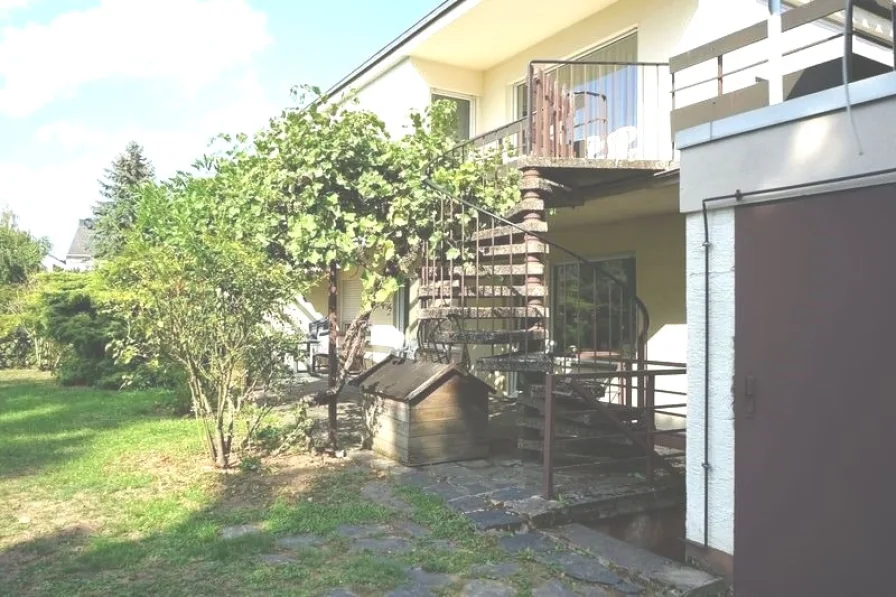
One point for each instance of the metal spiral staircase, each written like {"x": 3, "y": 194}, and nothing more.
{"x": 484, "y": 304}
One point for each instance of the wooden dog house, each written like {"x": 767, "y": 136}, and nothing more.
{"x": 425, "y": 413}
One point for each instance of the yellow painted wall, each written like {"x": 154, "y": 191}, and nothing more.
{"x": 395, "y": 94}
{"x": 658, "y": 245}
{"x": 446, "y": 77}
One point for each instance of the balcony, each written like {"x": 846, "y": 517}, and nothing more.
{"x": 590, "y": 123}
{"x": 777, "y": 60}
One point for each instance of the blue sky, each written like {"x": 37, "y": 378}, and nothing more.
{"x": 80, "y": 78}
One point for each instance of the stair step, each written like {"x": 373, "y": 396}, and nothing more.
{"x": 487, "y": 337}
{"x": 523, "y": 207}
{"x": 483, "y": 312}
{"x": 456, "y": 290}
{"x": 489, "y": 270}
{"x": 502, "y": 231}
{"x": 531, "y": 247}
{"x": 639, "y": 563}
{"x": 567, "y": 408}
{"x": 521, "y": 362}
{"x": 564, "y": 429}
{"x": 556, "y": 194}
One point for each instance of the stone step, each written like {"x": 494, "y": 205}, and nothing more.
{"x": 641, "y": 564}
{"x": 488, "y": 270}
{"x": 502, "y": 231}
{"x": 520, "y": 362}
{"x": 515, "y": 251}
{"x": 483, "y": 312}
{"x": 523, "y": 207}
{"x": 489, "y": 337}
{"x": 456, "y": 290}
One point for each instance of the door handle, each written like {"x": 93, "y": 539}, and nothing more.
{"x": 749, "y": 396}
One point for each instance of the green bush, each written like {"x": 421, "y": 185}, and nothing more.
{"x": 17, "y": 350}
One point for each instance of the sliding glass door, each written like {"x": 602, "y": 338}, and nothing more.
{"x": 592, "y": 315}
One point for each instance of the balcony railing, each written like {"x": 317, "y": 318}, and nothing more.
{"x": 593, "y": 110}
{"x": 776, "y": 60}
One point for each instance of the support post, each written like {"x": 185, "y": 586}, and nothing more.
{"x": 547, "y": 470}
{"x": 775, "y": 54}
{"x": 650, "y": 409}
{"x": 333, "y": 361}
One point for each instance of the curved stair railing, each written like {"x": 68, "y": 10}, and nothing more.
{"x": 452, "y": 286}
{"x": 603, "y": 410}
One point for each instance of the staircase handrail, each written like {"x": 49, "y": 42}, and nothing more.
{"x": 595, "y": 267}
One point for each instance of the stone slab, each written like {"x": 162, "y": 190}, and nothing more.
{"x": 640, "y": 563}
{"x": 383, "y": 545}
{"x": 487, "y": 588}
{"x": 411, "y": 529}
{"x": 362, "y": 531}
{"x": 299, "y": 542}
{"x": 411, "y": 591}
{"x": 431, "y": 580}
{"x": 469, "y": 503}
{"x": 580, "y": 567}
{"x": 553, "y": 588}
{"x": 535, "y": 542}
{"x": 495, "y": 520}
{"x": 496, "y": 571}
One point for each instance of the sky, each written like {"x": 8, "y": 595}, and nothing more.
{"x": 81, "y": 78}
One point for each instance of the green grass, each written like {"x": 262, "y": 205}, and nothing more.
{"x": 106, "y": 495}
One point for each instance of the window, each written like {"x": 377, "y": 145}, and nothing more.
{"x": 349, "y": 302}
{"x": 464, "y": 107}
{"x": 591, "y": 313}
{"x": 617, "y": 82}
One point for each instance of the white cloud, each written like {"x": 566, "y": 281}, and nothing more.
{"x": 7, "y": 6}
{"x": 192, "y": 42}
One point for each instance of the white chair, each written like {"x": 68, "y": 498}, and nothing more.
{"x": 594, "y": 147}
{"x": 620, "y": 143}
{"x": 387, "y": 338}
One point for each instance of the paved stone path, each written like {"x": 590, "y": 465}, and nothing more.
{"x": 482, "y": 499}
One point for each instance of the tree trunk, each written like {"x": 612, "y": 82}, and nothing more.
{"x": 333, "y": 366}
{"x": 222, "y": 449}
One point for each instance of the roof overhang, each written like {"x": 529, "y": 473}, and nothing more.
{"x": 475, "y": 34}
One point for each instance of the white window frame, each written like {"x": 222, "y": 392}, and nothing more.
{"x": 602, "y": 257}
{"x": 460, "y": 96}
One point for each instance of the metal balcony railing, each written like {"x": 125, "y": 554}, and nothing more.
{"x": 592, "y": 110}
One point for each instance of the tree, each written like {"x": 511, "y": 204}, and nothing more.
{"x": 21, "y": 257}
{"x": 205, "y": 298}
{"x": 333, "y": 191}
{"x": 115, "y": 215}
{"x": 21, "y": 254}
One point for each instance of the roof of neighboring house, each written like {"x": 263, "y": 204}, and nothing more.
{"x": 388, "y": 50}
{"x": 82, "y": 243}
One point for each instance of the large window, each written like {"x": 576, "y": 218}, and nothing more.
{"x": 464, "y": 108}
{"x": 616, "y": 83}
{"x": 591, "y": 313}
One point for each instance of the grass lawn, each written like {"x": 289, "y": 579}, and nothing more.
{"x": 103, "y": 494}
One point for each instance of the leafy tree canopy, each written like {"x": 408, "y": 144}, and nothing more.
{"x": 115, "y": 214}
{"x": 21, "y": 254}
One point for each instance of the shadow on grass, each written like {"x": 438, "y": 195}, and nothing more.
{"x": 43, "y": 424}
{"x": 190, "y": 556}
